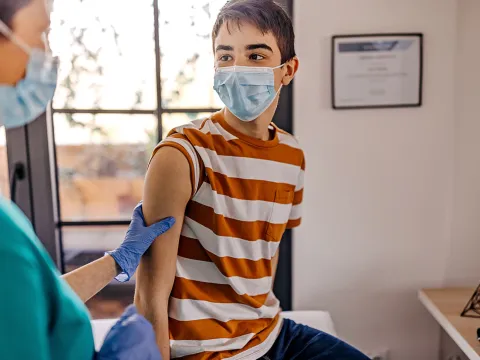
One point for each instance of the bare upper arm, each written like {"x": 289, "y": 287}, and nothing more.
{"x": 166, "y": 193}
{"x": 167, "y": 185}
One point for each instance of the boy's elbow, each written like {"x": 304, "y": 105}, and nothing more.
{"x": 150, "y": 306}
{"x": 149, "y": 296}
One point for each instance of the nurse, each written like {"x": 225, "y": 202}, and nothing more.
{"x": 42, "y": 315}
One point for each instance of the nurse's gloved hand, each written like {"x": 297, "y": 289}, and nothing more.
{"x": 131, "y": 338}
{"x": 138, "y": 239}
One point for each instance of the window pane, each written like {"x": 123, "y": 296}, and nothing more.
{"x": 106, "y": 52}
{"x": 101, "y": 163}
{"x": 4, "y": 182}
{"x": 84, "y": 244}
{"x": 187, "y": 57}
{"x": 170, "y": 121}
{"x": 111, "y": 302}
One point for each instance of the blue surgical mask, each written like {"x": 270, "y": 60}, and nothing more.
{"x": 24, "y": 102}
{"x": 246, "y": 91}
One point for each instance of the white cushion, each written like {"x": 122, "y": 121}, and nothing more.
{"x": 319, "y": 320}
{"x": 100, "y": 330}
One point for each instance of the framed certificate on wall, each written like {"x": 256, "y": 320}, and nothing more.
{"x": 377, "y": 70}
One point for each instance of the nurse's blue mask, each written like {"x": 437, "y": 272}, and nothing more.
{"x": 24, "y": 102}
{"x": 246, "y": 91}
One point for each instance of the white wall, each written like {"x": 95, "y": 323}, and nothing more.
{"x": 463, "y": 267}
{"x": 379, "y": 183}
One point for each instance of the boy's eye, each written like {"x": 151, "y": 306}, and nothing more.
{"x": 225, "y": 58}
{"x": 256, "y": 57}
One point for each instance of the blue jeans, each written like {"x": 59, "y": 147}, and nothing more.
{"x": 300, "y": 342}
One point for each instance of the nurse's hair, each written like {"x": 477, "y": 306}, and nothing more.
{"x": 8, "y": 8}
{"x": 266, "y": 15}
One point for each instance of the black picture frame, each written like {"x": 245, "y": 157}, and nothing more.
{"x": 379, "y": 35}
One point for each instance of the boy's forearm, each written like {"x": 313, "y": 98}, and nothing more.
{"x": 160, "y": 325}
{"x": 153, "y": 304}
{"x": 163, "y": 337}
{"x": 154, "y": 283}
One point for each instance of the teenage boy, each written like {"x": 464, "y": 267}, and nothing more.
{"x": 234, "y": 183}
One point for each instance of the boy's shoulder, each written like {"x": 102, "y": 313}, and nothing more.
{"x": 206, "y": 130}
{"x": 206, "y": 126}
{"x": 197, "y": 124}
{"x": 288, "y": 139}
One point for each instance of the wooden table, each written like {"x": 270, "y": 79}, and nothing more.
{"x": 446, "y": 305}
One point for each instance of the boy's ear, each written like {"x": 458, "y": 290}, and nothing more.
{"x": 290, "y": 69}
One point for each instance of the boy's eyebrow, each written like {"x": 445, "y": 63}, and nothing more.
{"x": 224, "y": 47}
{"x": 258, "y": 46}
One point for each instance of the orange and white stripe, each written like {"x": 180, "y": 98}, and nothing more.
{"x": 246, "y": 192}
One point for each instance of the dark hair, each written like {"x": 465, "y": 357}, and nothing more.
{"x": 266, "y": 15}
{"x": 8, "y": 8}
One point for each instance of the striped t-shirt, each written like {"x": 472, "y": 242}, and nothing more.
{"x": 246, "y": 192}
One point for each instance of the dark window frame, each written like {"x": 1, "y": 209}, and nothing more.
{"x": 284, "y": 119}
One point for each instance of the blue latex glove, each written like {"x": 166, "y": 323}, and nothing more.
{"x": 138, "y": 239}
{"x": 131, "y": 338}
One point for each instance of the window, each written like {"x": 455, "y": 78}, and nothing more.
{"x": 130, "y": 72}
{"x": 102, "y": 160}
{"x": 187, "y": 53}
{"x": 106, "y": 51}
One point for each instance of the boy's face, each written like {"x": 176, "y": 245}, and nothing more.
{"x": 246, "y": 45}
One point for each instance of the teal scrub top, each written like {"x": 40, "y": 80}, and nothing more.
{"x": 41, "y": 317}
